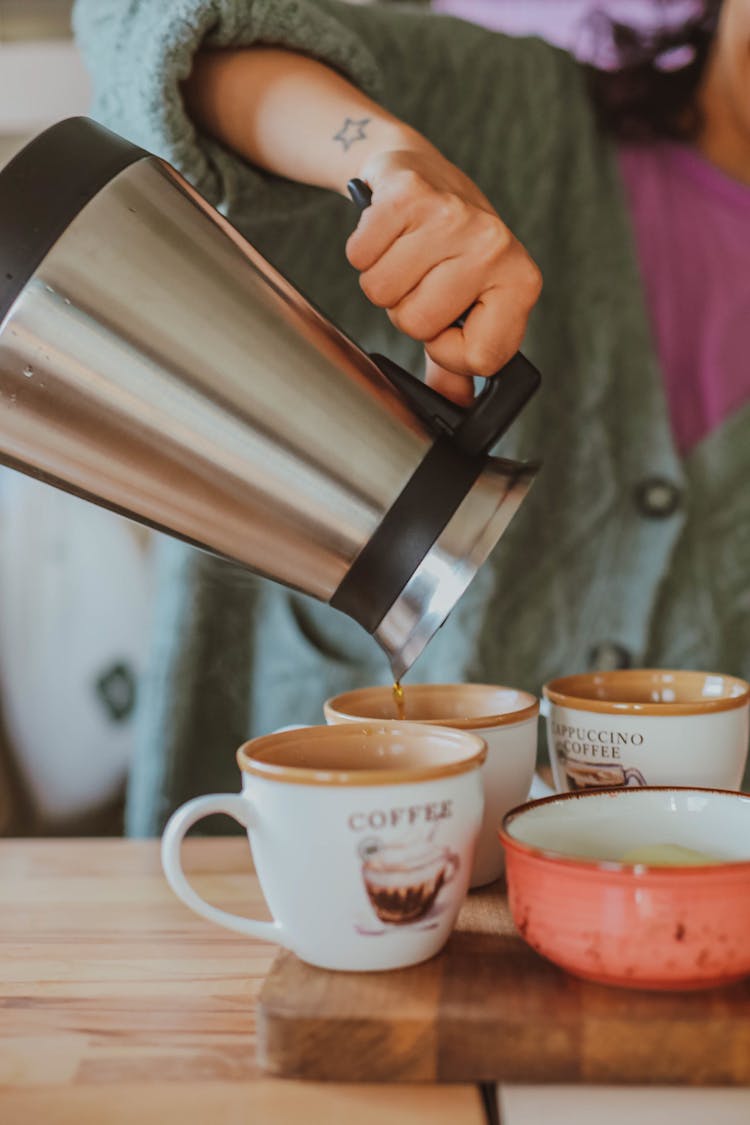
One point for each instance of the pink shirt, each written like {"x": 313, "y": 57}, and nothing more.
{"x": 692, "y": 231}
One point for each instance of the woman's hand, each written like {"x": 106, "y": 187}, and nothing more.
{"x": 430, "y": 247}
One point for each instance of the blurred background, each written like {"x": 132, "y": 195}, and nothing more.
{"x": 75, "y": 581}
{"x": 41, "y": 76}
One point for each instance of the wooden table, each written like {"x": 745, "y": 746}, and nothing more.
{"x": 119, "y": 1006}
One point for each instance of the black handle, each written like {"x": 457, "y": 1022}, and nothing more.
{"x": 476, "y": 428}
{"x": 360, "y": 193}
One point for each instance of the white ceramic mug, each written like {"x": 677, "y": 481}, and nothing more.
{"x": 363, "y": 840}
{"x": 505, "y": 718}
{"x": 640, "y": 726}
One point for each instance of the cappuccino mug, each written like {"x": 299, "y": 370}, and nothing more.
{"x": 641, "y": 726}
{"x": 363, "y": 839}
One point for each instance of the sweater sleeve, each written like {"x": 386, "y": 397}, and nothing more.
{"x": 477, "y": 95}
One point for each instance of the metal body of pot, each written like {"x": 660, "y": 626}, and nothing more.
{"x": 152, "y": 361}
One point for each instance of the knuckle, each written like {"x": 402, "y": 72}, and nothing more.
{"x": 492, "y": 241}
{"x": 450, "y": 210}
{"x": 438, "y": 359}
{"x": 418, "y": 324}
{"x": 407, "y": 184}
{"x": 532, "y": 279}
{"x": 395, "y": 320}
{"x": 482, "y": 358}
{"x": 495, "y": 235}
{"x": 374, "y": 289}
{"x": 354, "y": 254}
{"x": 362, "y": 245}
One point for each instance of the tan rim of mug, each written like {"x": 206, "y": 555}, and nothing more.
{"x": 529, "y": 709}
{"x": 570, "y": 692}
{"x": 252, "y": 757}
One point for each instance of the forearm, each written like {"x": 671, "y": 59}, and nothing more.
{"x": 291, "y": 115}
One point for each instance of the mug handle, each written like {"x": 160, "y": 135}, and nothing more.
{"x": 540, "y": 788}
{"x": 238, "y": 807}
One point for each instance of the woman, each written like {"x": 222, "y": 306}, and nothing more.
{"x": 490, "y": 160}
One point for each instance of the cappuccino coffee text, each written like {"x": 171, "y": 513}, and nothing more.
{"x": 589, "y": 742}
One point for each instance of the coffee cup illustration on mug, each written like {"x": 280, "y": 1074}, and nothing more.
{"x": 403, "y": 879}
{"x": 599, "y": 775}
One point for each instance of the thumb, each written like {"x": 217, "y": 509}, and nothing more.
{"x": 458, "y": 388}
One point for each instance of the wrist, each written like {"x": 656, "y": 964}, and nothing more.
{"x": 384, "y": 135}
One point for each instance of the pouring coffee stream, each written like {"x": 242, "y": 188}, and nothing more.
{"x": 179, "y": 378}
{"x": 399, "y": 699}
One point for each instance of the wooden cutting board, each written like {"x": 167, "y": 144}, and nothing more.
{"x": 490, "y": 1009}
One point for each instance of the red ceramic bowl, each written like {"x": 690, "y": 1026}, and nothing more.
{"x": 635, "y": 925}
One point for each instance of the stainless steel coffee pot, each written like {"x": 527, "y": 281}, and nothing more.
{"x": 153, "y": 362}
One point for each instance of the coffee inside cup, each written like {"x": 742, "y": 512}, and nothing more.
{"x": 360, "y": 754}
{"x": 462, "y": 706}
{"x": 648, "y": 691}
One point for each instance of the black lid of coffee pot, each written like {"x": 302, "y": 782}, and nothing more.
{"x": 45, "y": 186}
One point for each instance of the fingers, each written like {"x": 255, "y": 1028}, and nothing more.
{"x": 495, "y": 326}
{"x": 399, "y": 270}
{"x": 405, "y": 200}
{"x": 491, "y": 336}
{"x": 458, "y": 388}
{"x": 429, "y": 248}
{"x": 443, "y": 294}
{"x": 378, "y": 228}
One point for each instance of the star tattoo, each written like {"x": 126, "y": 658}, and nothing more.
{"x": 352, "y": 131}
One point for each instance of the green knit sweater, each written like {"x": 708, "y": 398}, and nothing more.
{"x": 583, "y": 573}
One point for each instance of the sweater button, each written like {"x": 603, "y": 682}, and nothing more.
{"x": 608, "y": 656}
{"x": 657, "y": 497}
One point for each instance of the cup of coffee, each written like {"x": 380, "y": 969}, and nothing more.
{"x": 506, "y": 719}
{"x": 639, "y": 727}
{"x": 363, "y": 838}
